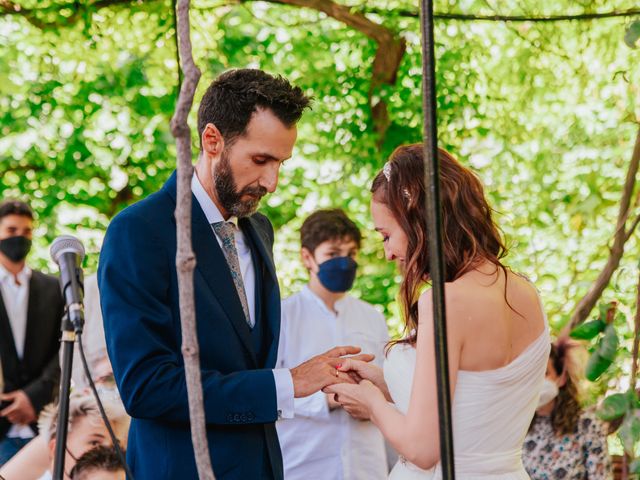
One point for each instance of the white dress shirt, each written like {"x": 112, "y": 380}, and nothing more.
{"x": 282, "y": 377}
{"x": 319, "y": 443}
{"x": 15, "y": 295}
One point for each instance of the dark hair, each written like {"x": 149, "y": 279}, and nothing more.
{"x": 469, "y": 234}
{"x": 331, "y": 224}
{"x": 98, "y": 458}
{"x": 15, "y": 207}
{"x": 566, "y": 410}
{"x": 235, "y": 95}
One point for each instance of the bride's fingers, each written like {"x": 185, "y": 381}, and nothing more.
{"x": 353, "y": 365}
{"x": 346, "y": 378}
{"x": 363, "y": 357}
{"x": 336, "y": 388}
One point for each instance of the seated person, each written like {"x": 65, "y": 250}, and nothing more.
{"x": 100, "y": 463}
{"x": 86, "y": 430}
{"x": 565, "y": 440}
{"x": 323, "y": 441}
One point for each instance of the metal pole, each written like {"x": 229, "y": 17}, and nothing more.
{"x": 68, "y": 340}
{"x": 434, "y": 227}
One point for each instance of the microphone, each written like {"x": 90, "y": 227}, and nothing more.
{"x": 68, "y": 252}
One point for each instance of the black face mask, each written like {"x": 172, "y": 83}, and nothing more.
{"x": 15, "y": 248}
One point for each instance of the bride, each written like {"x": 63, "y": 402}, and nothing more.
{"x": 498, "y": 340}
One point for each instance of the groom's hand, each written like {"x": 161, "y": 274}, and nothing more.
{"x": 322, "y": 370}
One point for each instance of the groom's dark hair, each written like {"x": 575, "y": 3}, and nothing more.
{"x": 235, "y": 95}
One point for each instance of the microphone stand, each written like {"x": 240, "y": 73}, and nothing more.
{"x": 69, "y": 330}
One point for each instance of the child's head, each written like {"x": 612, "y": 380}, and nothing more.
{"x": 86, "y": 429}
{"x": 100, "y": 463}
{"x": 330, "y": 242}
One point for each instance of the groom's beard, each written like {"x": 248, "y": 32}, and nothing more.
{"x": 226, "y": 190}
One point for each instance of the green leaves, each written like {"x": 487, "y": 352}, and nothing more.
{"x": 629, "y": 432}
{"x": 588, "y": 330}
{"x": 603, "y": 355}
{"x": 608, "y": 347}
{"x": 632, "y": 35}
{"x": 596, "y": 366}
{"x": 616, "y": 405}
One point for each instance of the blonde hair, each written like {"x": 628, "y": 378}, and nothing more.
{"x": 82, "y": 405}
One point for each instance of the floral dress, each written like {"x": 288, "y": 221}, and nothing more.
{"x": 576, "y": 456}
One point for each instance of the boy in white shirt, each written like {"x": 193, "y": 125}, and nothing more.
{"x": 323, "y": 441}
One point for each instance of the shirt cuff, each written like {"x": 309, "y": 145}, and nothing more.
{"x": 284, "y": 392}
{"x": 315, "y": 405}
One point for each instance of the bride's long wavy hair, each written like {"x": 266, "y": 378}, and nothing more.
{"x": 469, "y": 233}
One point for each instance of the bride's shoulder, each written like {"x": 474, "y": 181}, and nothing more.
{"x": 458, "y": 299}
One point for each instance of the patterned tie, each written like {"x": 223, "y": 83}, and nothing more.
{"x": 225, "y": 230}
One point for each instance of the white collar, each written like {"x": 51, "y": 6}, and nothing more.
{"x": 210, "y": 209}
{"x": 23, "y": 275}
{"x": 314, "y": 297}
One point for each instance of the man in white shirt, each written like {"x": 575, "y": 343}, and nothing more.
{"x": 322, "y": 441}
{"x": 31, "y": 308}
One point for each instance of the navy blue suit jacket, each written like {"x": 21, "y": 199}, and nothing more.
{"x": 139, "y": 297}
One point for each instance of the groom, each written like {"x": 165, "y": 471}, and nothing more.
{"x": 247, "y": 128}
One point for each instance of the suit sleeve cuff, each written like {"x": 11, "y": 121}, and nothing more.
{"x": 284, "y": 392}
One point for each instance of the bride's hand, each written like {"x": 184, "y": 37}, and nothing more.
{"x": 356, "y": 400}
{"x": 366, "y": 371}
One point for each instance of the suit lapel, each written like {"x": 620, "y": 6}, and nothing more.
{"x": 251, "y": 226}
{"x": 270, "y": 290}
{"x": 212, "y": 265}
{"x": 33, "y": 334}
{"x": 8, "y": 353}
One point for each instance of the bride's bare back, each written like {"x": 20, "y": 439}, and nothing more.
{"x": 492, "y": 328}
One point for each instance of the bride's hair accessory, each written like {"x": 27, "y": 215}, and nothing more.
{"x": 386, "y": 170}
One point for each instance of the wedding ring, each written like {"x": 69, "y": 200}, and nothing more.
{"x": 337, "y": 373}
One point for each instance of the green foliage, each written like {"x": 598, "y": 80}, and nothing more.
{"x": 604, "y": 354}
{"x": 632, "y": 34}
{"x": 588, "y": 330}
{"x": 629, "y": 431}
{"x": 614, "y": 406}
{"x": 605, "y": 348}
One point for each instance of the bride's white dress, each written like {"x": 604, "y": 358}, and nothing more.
{"x": 491, "y": 413}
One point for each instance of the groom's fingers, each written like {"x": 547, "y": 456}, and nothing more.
{"x": 336, "y": 352}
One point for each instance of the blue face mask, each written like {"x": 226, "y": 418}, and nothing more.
{"x": 337, "y": 274}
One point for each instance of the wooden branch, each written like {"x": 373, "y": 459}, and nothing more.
{"x": 506, "y": 18}
{"x": 586, "y": 304}
{"x": 9, "y": 8}
{"x": 174, "y": 4}
{"x": 632, "y": 228}
{"x": 185, "y": 258}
